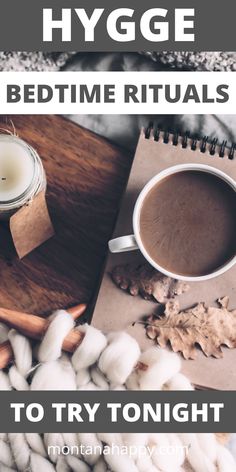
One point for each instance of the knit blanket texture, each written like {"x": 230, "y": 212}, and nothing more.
{"x": 100, "y": 362}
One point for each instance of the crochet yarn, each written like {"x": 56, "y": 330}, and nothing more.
{"x": 110, "y": 362}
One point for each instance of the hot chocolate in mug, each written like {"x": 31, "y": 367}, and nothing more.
{"x": 184, "y": 223}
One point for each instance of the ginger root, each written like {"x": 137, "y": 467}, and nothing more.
{"x": 144, "y": 280}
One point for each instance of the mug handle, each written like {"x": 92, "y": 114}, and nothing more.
{"x": 123, "y": 244}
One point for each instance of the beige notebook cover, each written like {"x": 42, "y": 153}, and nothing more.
{"x": 115, "y": 309}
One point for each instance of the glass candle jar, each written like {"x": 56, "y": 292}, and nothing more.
{"x": 22, "y": 175}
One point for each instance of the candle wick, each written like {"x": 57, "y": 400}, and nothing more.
{"x": 4, "y": 178}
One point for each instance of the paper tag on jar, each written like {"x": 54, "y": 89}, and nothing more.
{"x": 31, "y": 225}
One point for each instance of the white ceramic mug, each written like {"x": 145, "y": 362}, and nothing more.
{"x": 133, "y": 241}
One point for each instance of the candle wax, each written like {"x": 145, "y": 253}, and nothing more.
{"x": 16, "y": 169}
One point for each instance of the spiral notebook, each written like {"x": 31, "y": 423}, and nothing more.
{"x": 115, "y": 309}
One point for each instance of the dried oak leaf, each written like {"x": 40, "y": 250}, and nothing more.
{"x": 207, "y": 327}
{"x": 144, "y": 280}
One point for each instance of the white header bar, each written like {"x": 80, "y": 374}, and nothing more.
{"x": 118, "y": 93}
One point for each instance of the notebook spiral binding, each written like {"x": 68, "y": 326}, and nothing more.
{"x": 203, "y": 144}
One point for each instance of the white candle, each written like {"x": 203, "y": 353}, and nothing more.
{"x": 17, "y": 168}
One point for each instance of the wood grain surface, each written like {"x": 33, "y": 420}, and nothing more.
{"x": 86, "y": 177}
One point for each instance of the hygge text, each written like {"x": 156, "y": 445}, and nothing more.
{"x": 154, "y": 24}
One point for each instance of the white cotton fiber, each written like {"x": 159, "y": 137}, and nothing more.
{"x": 119, "y": 358}
{"x": 144, "y": 464}
{"x": 120, "y": 388}
{"x": 82, "y": 377}
{"x": 72, "y": 441}
{"x": 111, "y": 438}
{"x": 89, "y": 386}
{"x": 132, "y": 382}
{"x": 90, "y": 349}
{"x": 173, "y": 456}
{"x": 55, "y": 375}
{"x": 197, "y": 459}
{"x": 99, "y": 379}
{"x": 77, "y": 465}
{"x": 90, "y": 440}
{"x": 113, "y": 362}
{"x": 17, "y": 380}
{"x": 208, "y": 444}
{"x": 20, "y": 450}
{"x": 100, "y": 466}
{"x": 120, "y": 463}
{"x": 225, "y": 461}
{"x": 51, "y": 345}
{"x": 62, "y": 465}
{"x": 6, "y": 454}
{"x": 4, "y": 468}
{"x": 35, "y": 442}
{"x": 4, "y": 381}
{"x": 39, "y": 463}
{"x": 22, "y": 351}
{"x": 161, "y": 366}
{"x": 138, "y": 440}
{"x": 52, "y": 440}
{"x": 179, "y": 382}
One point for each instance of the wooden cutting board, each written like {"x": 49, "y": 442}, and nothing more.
{"x": 86, "y": 176}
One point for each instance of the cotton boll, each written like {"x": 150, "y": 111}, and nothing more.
{"x": 161, "y": 366}
{"x": 225, "y": 461}
{"x": 55, "y": 375}
{"x": 4, "y": 381}
{"x": 17, "y": 380}
{"x": 35, "y": 442}
{"x": 99, "y": 379}
{"x": 22, "y": 351}
{"x": 119, "y": 358}
{"x": 38, "y": 463}
{"x": 179, "y": 382}
{"x": 90, "y": 440}
{"x": 51, "y": 345}
{"x": 90, "y": 349}
{"x": 77, "y": 465}
{"x": 82, "y": 377}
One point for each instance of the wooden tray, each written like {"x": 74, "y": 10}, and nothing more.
{"x": 86, "y": 175}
